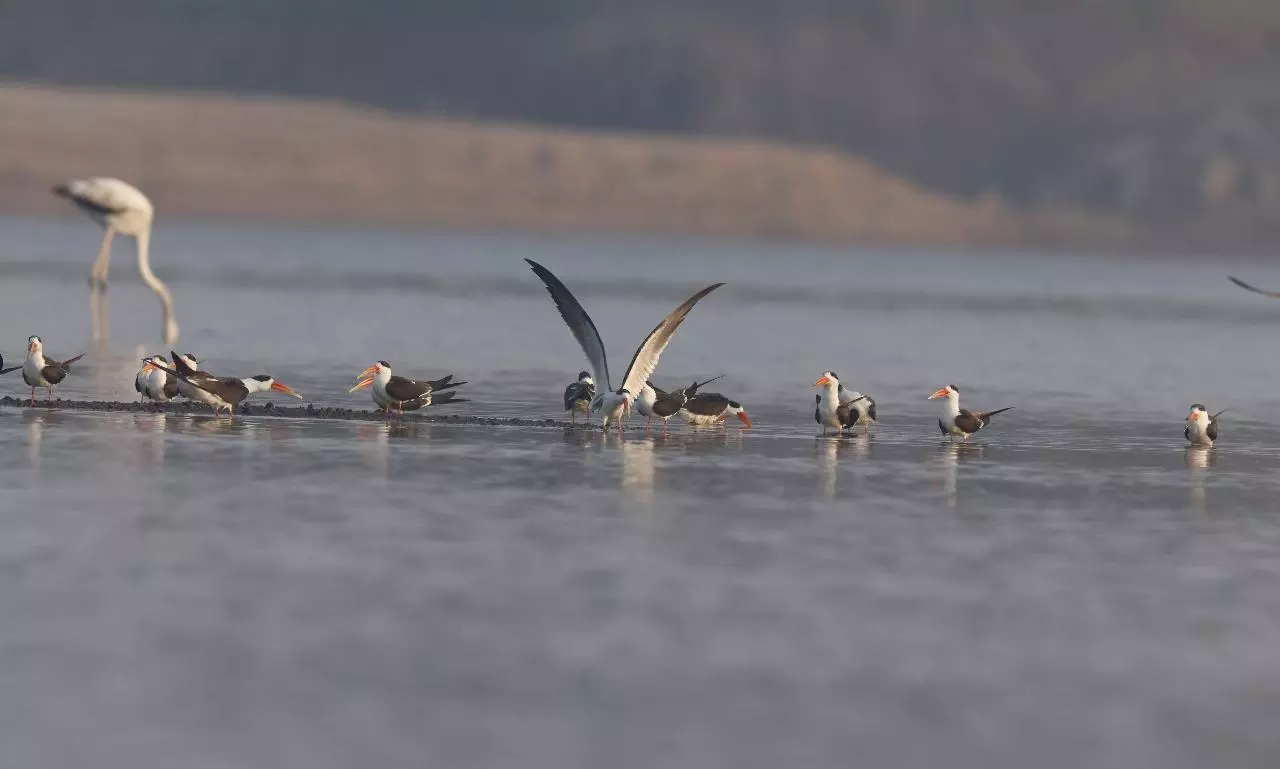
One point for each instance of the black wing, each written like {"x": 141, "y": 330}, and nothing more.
{"x": 579, "y": 322}
{"x": 401, "y": 389}
{"x": 1254, "y": 289}
{"x": 707, "y": 404}
{"x": 969, "y": 422}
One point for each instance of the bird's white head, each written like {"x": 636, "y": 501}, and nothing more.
{"x": 950, "y": 392}
{"x": 265, "y": 382}
{"x": 585, "y": 378}
{"x": 828, "y": 379}
{"x": 149, "y": 363}
{"x": 380, "y": 371}
{"x": 1199, "y": 414}
{"x": 735, "y": 409}
{"x": 35, "y": 346}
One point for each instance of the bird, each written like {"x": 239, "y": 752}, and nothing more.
{"x": 864, "y": 405}
{"x": 39, "y": 371}
{"x": 1202, "y": 428}
{"x": 9, "y": 370}
{"x": 228, "y": 392}
{"x": 1254, "y": 289}
{"x": 144, "y": 374}
{"x": 188, "y": 385}
{"x": 838, "y": 408}
{"x": 656, "y": 402}
{"x": 713, "y": 408}
{"x": 397, "y": 391}
{"x": 578, "y": 395}
{"x": 957, "y": 421}
{"x": 120, "y": 208}
{"x": 614, "y": 405}
{"x": 155, "y": 383}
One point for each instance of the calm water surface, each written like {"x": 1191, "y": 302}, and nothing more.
{"x": 1075, "y": 589}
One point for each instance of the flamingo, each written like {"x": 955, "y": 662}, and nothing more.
{"x": 120, "y": 208}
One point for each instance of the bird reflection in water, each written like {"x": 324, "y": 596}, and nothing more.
{"x": 828, "y": 451}
{"x": 36, "y": 422}
{"x": 373, "y": 441}
{"x": 153, "y": 426}
{"x": 1200, "y": 459}
{"x": 637, "y": 470}
{"x": 948, "y": 456}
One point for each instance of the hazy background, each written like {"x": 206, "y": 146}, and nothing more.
{"x": 1091, "y": 122}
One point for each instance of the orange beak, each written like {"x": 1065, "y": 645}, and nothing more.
{"x": 369, "y": 372}
{"x": 363, "y": 383}
{"x": 283, "y": 388}
{"x": 822, "y": 381}
{"x": 744, "y": 419}
{"x": 1193, "y": 416}
{"x": 939, "y": 394}
{"x": 148, "y": 367}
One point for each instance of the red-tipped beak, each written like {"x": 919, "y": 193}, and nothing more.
{"x": 744, "y": 419}
{"x": 283, "y": 388}
{"x": 1193, "y": 416}
{"x": 368, "y": 372}
{"x": 822, "y": 381}
{"x": 939, "y": 394}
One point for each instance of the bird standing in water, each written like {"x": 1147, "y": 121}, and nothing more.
{"x": 578, "y": 396}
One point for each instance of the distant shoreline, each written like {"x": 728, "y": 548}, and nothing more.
{"x": 291, "y": 162}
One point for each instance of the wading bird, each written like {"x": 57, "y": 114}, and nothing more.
{"x": 957, "y": 421}
{"x": 120, "y": 208}
{"x": 405, "y": 394}
{"x": 614, "y": 405}
{"x": 228, "y": 392}
{"x": 39, "y": 371}
{"x": 1202, "y": 428}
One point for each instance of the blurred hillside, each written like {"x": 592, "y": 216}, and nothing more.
{"x": 1166, "y": 111}
{"x": 283, "y": 160}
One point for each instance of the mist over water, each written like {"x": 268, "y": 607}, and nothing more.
{"x": 1074, "y": 588}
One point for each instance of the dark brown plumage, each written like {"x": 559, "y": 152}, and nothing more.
{"x": 970, "y": 422}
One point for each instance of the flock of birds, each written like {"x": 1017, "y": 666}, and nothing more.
{"x": 123, "y": 209}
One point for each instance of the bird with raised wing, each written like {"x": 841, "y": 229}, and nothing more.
{"x": 1202, "y": 427}
{"x": 120, "y": 208}
{"x": 957, "y": 421}
{"x": 8, "y": 370}
{"x": 405, "y": 394}
{"x": 39, "y": 371}
{"x": 1254, "y": 289}
{"x": 612, "y": 404}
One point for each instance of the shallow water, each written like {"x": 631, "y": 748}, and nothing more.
{"x": 1074, "y": 589}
